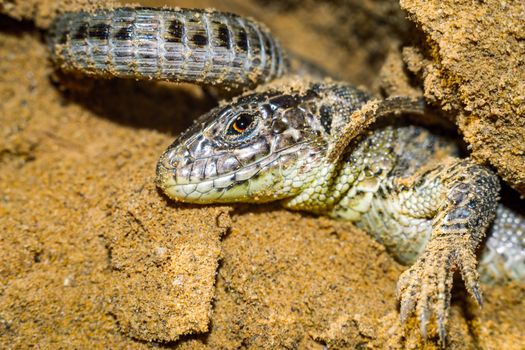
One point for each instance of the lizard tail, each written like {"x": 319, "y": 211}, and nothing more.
{"x": 503, "y": 257}
{"x": 180, "y": 45}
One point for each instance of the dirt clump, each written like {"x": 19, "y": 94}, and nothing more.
{"x": 473, "y": 64}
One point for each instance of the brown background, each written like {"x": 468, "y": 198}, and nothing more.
{"x": 93, "y": 256}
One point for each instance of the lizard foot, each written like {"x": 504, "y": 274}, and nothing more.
{"x": 425, "y": 288}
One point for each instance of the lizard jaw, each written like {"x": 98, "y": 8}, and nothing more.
{"x": 273, "y": 177}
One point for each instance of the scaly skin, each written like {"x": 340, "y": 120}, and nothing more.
{"x": 318, "y": 147}
{"x": 192, "y": 45}
{"x": 402, "y": 184}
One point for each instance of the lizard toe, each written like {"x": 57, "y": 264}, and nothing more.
{"x": 407, "y": 293}
{"x": 425, "y": 289}
{"x": 469, "y": 273}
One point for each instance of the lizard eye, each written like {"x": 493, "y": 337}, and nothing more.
{"x": 241, "y": 124}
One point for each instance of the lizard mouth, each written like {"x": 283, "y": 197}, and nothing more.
{"x": 221, "y": 178}
{"x": 237, "y": 185}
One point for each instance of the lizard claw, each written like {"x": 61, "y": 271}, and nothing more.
{"x": 424, "y": 289}
{"x": 477, "y": 295}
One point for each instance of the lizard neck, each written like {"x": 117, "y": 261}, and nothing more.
{"x": 330, "y": 184}
{"x": 345, "y": 189}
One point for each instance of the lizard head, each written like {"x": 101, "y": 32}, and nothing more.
{"x": 260, "y": 147}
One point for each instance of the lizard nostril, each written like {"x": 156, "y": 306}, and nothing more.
{"x": 165, "y": 176}
{"x": 172, "y": 161}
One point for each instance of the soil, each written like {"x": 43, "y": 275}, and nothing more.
{"x": 92, "y": 255}
{"x": 472, "y": 64}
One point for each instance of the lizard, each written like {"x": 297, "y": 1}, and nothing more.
{"x": 324, "y": 147}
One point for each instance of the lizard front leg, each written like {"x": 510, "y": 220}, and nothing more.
{"x": 467, "y": 205}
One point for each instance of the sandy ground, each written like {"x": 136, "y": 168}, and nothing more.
{"x": 93, "y": 256}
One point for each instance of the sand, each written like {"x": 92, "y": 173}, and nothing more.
{"x": 92, "y": 255}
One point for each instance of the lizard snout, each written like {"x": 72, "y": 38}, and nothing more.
{"x": 185, "y": 178}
